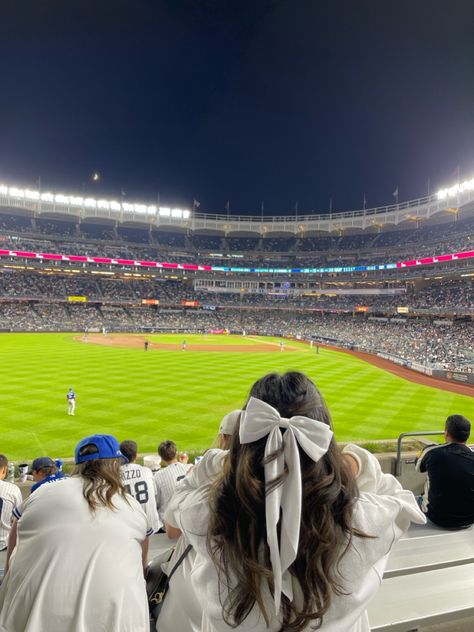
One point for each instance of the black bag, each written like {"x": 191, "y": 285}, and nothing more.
{"x": 157, "y": 581}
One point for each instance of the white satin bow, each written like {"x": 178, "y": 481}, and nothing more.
{"x": 258, "y": 420}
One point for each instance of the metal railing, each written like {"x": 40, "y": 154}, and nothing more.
{"x": 398, "y": 461}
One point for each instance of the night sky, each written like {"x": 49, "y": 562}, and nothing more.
{"x": 246, "y": 100}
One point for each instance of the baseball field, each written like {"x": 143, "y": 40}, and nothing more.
{"x": 171, "y": 393}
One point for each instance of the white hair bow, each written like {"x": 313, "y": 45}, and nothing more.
{"x": 258, "y": 420}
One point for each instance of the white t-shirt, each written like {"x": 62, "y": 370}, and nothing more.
{"x": 73, "y": 570}
{"x": 383, "y": 510}
{"x": 10, "y": 497}
{"x": 140, "y": 484}
{"x": 181, "y": 609}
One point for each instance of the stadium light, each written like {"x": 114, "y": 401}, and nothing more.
{"x": 459, "y": 187}
{"x": 32, "y": 195}
{"x": 90, "y": 202}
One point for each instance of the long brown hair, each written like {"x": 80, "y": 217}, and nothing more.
{"x": 237, "y": 531}
{"x": 101, "y": 481}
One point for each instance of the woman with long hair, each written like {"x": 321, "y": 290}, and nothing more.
{"x": 80, "y": 553}
{"x": 285, "y": 539}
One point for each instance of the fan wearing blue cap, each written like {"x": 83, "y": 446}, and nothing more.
{"x": 89, "y": 524}
{"x": 98, "y": 447}
{"x": 44, "y": 470}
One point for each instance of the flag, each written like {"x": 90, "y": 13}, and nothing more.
{"x": 122, "y": 193}
{"x": 457, "y": 173}
{"x": 227, "y": 205}
{"x": 395, "y": 193}
{"x": 196, "y": 203}
{"x": 262, "y": 208}
{"x": 364, "y": 201}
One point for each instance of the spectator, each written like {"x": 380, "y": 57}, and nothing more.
{"x": 227, "y": 428}
{"x": 283, "y": 538}
{"x": 44, "y": 470}
{"x": 78, "y": 562}
{"x": 448, "y": 499}
{"x": 10, "y": 497}
{"x": 168, "y": 476}
{"x": 178, "y": 613}
{"x": 139, "y": 483}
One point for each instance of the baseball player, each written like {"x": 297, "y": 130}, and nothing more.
{"x": 71, "y": 401}
{"x": 139, "y": 483}
{"x": 10, "y": 497}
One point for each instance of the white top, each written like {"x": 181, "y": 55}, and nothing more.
{"x": 166, "y": 480}
{"x": 140, "y": 484}
{"x": 10, "y": 497}
{"x": 384, "y": 510}
{"x": 75, "y": 571}
{"x": 181, "y": 610}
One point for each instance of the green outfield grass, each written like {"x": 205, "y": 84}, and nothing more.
{"x": 181, "y": 395}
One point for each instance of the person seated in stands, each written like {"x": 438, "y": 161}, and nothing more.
{"x": 285, "y": 538}
{"x": 10, "y": 497}
{"x": 139, "y": 483}
{"x": 44, "y": 470}
{"x": 181, "y": 609}
{"x": 168, "y": 475}
{"x": 448, "y": 498}
{"x": 81, "y": 553}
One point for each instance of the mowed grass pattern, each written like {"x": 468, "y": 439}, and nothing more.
{"x": 182, "y": 395}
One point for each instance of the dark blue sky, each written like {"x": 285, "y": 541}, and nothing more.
{"x": 246, "y": 100}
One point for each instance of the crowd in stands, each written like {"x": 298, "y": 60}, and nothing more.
{"x": 34, "y": 301}
{"x": 451, "y": 295}
{"x": 443, "y": 344}
{"x": 139, "y": 243}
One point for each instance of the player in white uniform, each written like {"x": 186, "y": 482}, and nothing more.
{"x": 140, "y": 484}
{"x": 71, "y": 401}
{"x": 10, "y": 497}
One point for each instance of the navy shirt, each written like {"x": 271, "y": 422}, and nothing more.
{"x": 449, "y": 494}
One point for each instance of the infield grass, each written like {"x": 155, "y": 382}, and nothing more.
{"x": 182, "y": 395}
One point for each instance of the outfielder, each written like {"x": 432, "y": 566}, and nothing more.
{"x": 71, "y": 401}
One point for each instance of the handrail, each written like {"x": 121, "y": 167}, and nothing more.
{"x": 398, "y": 461}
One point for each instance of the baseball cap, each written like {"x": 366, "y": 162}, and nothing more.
{"x": 41, "y": 462}
{"x": 107, "y": 448}
{"x": 230, "y": 422}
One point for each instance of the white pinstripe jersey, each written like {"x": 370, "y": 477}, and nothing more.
{"x": 139, "y": 483}
{"x": 10, "y": 497}
{"x": 166, "y": 480}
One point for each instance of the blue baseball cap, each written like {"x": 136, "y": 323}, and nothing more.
{"x": 107, "y": 447}
{"x": 40, "y": 463}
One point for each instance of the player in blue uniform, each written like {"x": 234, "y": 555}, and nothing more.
{"x": 71, "y": 401}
